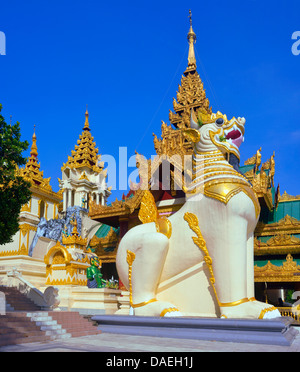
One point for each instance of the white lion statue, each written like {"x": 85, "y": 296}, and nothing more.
{"x": 199, "y": 261}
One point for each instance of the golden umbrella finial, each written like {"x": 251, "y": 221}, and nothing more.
{"x": 86, "y": 123}
{"x": 191, "y": 39}
{"x": 34, "y": 151}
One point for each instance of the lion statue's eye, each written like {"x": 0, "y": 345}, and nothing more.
{"x": 220, "y": 122}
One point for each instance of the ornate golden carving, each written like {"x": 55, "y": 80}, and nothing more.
{"x": 193, "y": 223}
{"x": 74, "y": 239}
{"x": 164, "y": 226}
{"x": 118, "y": 207}
{"x": 25, "y": 228}
{"x": 58, "y": 258}
{"x": 255, "y": 159}
{"x": 286, "y": 197}
{"x": 148, "y": 213}
{"x": 57, "y": 248}
{"x": 262, "y": 179}
{"x": 130, "y": 258}
{"x": 192, "y": 134}
{"x": 286, "y": 225}
{"x": 26, "y": 207}
{"x": 289, "y": 264}
{"x": 224, "y": 191}
{"x": 23, "y": 250}
{"x": 283, "y": 239}
{"x": 148, "y": 210}
{"x": 288, "y": 272}
{"x": 83, "y": 177}
{"x": 70, "y": 269}
{"x": 10, "y": 253}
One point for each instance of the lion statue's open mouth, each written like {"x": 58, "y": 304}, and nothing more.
{"x": 234, "y": 136}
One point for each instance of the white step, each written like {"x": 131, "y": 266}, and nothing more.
{"x": 51, "y": 327}
{"x": 46, "y": 322}
{"x": 60, "y": 337}
{"x": 48, "y": 325}
{"x": 56, "y": 332}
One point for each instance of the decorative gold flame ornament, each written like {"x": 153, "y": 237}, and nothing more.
{"x": 148, "y": 213}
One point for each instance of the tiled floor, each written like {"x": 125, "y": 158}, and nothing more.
{"x": 107, "y": 342}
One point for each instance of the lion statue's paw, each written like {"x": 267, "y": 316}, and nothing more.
{"x": 251, "y": 309}
{"x": 158, "y": 308}
{"x": 267, "y": 311}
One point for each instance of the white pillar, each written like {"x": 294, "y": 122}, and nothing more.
{"x": 65, "y": 197}
{"x": 69, "y": 197}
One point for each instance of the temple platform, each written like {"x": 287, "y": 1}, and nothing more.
{"x": 269, "y": 332}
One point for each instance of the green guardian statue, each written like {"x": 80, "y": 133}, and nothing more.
{"x": 94, "y": 275}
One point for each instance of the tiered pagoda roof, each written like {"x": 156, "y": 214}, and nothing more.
{"x": 34, "y": 175}
{"x": 85, "y": 154}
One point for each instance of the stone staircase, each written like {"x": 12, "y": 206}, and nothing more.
{"x": 17, "y": 328}
{"x": 25, "y": 322}
{"x": 17, "y": 301}
{"x": 48, "y": 325}
{"x": 75, "y": 324}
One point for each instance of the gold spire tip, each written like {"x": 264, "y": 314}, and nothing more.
{"x": 191, "y": 39}
{"x": 190, "y": 17}
{"x": 34, "y": 151}
{"x": 86, "y": 123}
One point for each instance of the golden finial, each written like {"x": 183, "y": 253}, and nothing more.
{"x": 73, "y": 222}
{"x": 190, "y": 17}
{"x": 86, "y": 123}
{"x": 191, "y": 39}
{"x": 34, "y": 151}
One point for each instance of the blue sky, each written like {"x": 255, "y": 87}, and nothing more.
{"x": 125, "y": 60}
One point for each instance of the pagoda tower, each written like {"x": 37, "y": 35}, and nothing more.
{"x": 44, "y": 201}
{"x": 43, "y": 205}
{"x": 190, "y": 95}
{"x": 83, "y": 177}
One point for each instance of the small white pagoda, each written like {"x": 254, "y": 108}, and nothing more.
{"x": 83, "y": 176}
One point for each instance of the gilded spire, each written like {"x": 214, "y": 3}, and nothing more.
{"x": 34, "y": 151}
{"x": 32, "y": 172}
{"x": 190, "y": 95}
{"x": 86, "y": 123}
{"x": 191, "y": 39}
{"x": 32, "y": 163}
{"x": 85, "y": 154}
